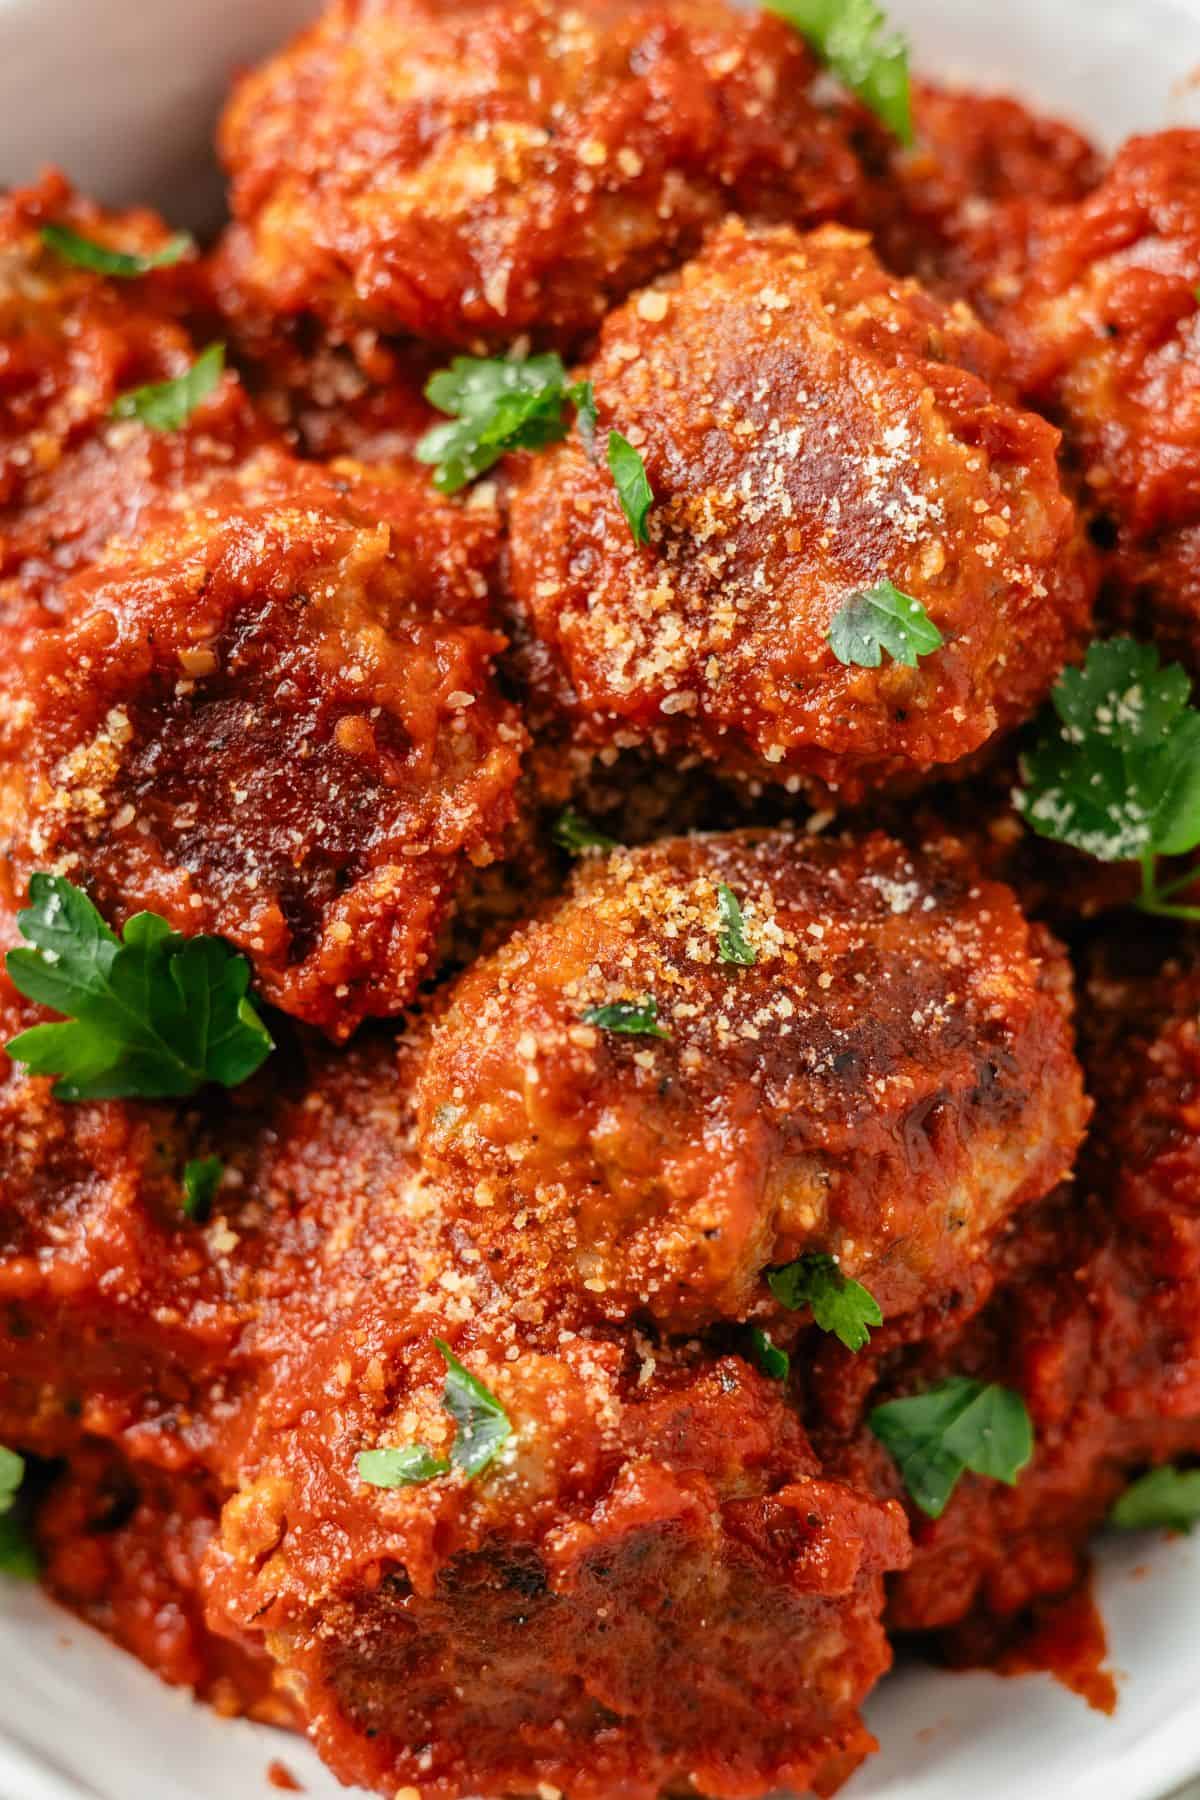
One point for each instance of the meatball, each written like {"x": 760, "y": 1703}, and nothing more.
{"x": 884, "y": 1083}
{"x": 120, "y": 1545}
{"x": 1105, "y": 333}
{"x": 1096, "y": 1322}
{"x": 272, "y": 716}
{"x": 480, "y": 171}
{"x": 72, "y": 341}
{"x": 953, "y": 201}
{"x": 654, "y": 1538}
{"x": 811, "y": 427}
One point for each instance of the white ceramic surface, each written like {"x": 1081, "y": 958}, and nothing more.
{"x": 121, "y": 93}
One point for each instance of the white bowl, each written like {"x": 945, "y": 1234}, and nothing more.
{"x": 122, "y": 93}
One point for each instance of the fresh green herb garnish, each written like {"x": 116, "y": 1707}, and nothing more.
{"x": 1167, "y": 1498}
{"x": 882, "y": 618}
{"x": 499, "y": 404}
{"x": 770, "y": 1359}
{"x": 201, "y": 1179}
{"x": 959, "y": 1424}
{"x": 483, "y": 1429}
{"x": 850, "y": 36}
{"x": 583, "y": 397}
{"x": 633, "y": 489}
{"x": 731, "y": 935}
{"x": 17, "y": 1555}
{"x": 1117, "y": 772}
{"x": 151, "y": 1015}
{"x": 122, "y": 263}
{"x": 838, "y": 1304}
{"x": 637, "y": 1018}
{"x": 401, "y": 1468}
{"x": 572, "y": 832}
{"x": 12, "y": 1474}
{"x": 168, "y": 405}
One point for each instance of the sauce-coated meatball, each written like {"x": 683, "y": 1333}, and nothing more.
{"x": 488, "y": 169}
{"x": 811, "y": 427}
{"x": 1105, "y": 333}
{"x": 71, "y": 342}
{"x": 273, "y": 717}
{"x": 885, "y": 1083}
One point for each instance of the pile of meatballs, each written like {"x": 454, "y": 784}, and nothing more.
{"x": 471, "y": 780}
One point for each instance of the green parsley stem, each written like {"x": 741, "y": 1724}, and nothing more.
{"x": 1164, "y": 890}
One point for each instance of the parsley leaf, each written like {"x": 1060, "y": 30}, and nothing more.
{"x": 770, "y": 1359}
{"x": 1118, "y": 774}
{"x": 959, "y": 1424}
{"x": 104, "y": 261}
{"x": 201, "y": 1179}
{"x": 731, "y": 937}
{"x": 633, "y": 489}
{"x": 12, "y": 1474}
{"x": 572, "y": 832}
{"x": 838, "y": 1304}
{"x": 151, "y": 1015}
{"x": 849, "y": 35}
{"x": 397, "y": 1468}
{"x": 483, "y": 1424}
{"x": 168, "y": 405}
{"x": 483, "y": 1428}
{"x": 582, "y": 396}
{"x": 17, "y": 1555}
{"x": 882, "y": 618}
{"x": 639, "y": 1019}
{"x": 1166, "y": 1497}
{"x": 497, "y": 404}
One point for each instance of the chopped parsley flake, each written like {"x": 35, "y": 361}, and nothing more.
{"x": 124, "y": 264}
{"x": 958, "y": 1425}
{"x": 201, "y": 1179}
{"x": 770, "y": 1359}
{"x": 838, "y": 1304}
{"x": 731, "y": 935}
{"x": 573, "y": 833}
{"x": 150, "y": 1015}
{"x": 12, "y": 1474}
{"x": 499, "y": 404}
{"x": 637, "y": 1018}
{"x": 17, "y": 1556}
{"x": 168, "y": 405}
{"x": 483, "y": 1429}
{"x": 633, "y": 488}
{"x": 882, "y": 618}
{"x": 850, "y": 36}
{"x": 1166, "y": 1498}
{"x": 1115, "y": 768}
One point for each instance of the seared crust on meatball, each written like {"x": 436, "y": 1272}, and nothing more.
{"x": 811, "y": 427}
{"x": 890, "y": 1078}
{"x": 482, "y": 170}
{"x": 1105, "y": 334}
{"x": 71, "y": 342}
{"x": 273, "y": 717}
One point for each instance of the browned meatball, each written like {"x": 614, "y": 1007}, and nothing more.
{"x": 273, "y": 717}
{"x": 651, "y": 1581}
{"x": 72, "y": 341}
{"x": 810, "y": 427}
{"x": 1105, "y": 332}
{"x": 948, "y": 211}
{"x": 1095, "y": 1322}
{"x": 885, "y": 1083}
{"x": 491, "y": 168}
